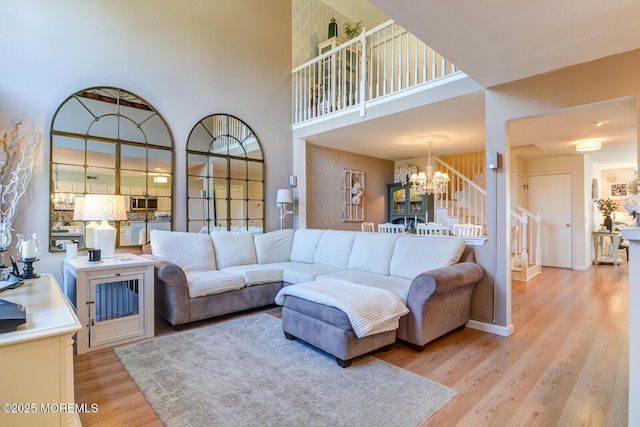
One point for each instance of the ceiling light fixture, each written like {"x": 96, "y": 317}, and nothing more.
{"x": 427, "y": 182}
{"x": 591, "y": 144}
{"x": 598, "y": 124}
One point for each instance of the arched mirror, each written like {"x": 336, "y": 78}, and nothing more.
{"x": 225, "y": 176}
{"x": 106, "y": 140}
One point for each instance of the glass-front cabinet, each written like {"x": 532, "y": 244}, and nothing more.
{"x": 408, "y": 207}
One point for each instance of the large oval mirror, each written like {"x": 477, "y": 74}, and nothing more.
{"x": 225, "y": 176}
{"x": 106, "y": 140}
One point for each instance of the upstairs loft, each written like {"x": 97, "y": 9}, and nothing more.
{"x": 383, "y": 71}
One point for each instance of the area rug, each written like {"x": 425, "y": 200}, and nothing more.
{"x": 243, "y": 372}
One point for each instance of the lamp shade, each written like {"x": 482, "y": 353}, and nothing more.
{"x": 78, "y": 208}
{"x": 284, "y": 196}
{"x": 104, "y": 207}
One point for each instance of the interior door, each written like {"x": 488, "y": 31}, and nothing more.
{"x": 550, "y": 195}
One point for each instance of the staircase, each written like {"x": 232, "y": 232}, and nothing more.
{"x": 466, "y": 202}
{"x": 525, "y": 244}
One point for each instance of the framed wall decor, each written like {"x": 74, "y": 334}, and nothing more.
{"x": 595, "y": 189}
{"x": 352, "y": 195}
{"x": 618, "y": 190}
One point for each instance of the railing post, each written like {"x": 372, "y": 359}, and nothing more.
{"x": 538, "y": 247}
{"x": 525, "y": 252}
{"x": 363, "y": 73}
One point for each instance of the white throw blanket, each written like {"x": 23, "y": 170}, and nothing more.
{"x": 370, "y": 310}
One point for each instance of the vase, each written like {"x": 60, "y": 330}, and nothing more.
{"x": 608, "y": 222}
{"x": 5, "y": 240}
{"x": 333, "y": 28}
{"x": 5, "y": 236}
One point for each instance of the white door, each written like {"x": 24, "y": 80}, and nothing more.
{"x": 550, "y": 196}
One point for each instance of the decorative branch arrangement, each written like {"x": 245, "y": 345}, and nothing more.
{"x": 17, "y": 157}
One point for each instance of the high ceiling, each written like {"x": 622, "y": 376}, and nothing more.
{"x": 499, "y": 41}
{"x": 494, "y": 42}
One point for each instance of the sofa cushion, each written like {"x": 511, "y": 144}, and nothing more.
{"x": 305, "y": 243}
{"x": 233, "y": 248}
{"x": 353, "y": 276}
{"x": 397, "y": 285}
{"x": 203, "y": 283}
{"x": 298, "y": 272}
{"x": 274, "y": 246}
{"x": 256, "y": 274}
{"x": 190, "y": 251}
{"x": 372, "y": 252}
{"x": 334, "y": 248}
{"x": 416, "y": 254}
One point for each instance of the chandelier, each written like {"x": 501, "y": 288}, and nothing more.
{"x": 429, "y": 182}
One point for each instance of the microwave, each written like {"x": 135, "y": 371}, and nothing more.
{"x": 143, "y": 203}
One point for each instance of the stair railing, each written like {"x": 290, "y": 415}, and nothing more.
{"x": 380, "y": 62}
{"x": 525, "y": 239}
{"x": 464, "y": 202}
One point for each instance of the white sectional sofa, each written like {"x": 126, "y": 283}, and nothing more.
{"x": 199, "y": 276}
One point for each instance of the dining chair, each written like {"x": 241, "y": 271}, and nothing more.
{"x": 391, "y": 228}
{"x": 367, "y": 227}
{"x": 467, "y": 230}
{"x": 432, "y": 229}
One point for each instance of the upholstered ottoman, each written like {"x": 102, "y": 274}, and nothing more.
{"x": 341, "y": 318}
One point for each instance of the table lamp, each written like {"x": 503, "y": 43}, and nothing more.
{"x": 104, "y": 208}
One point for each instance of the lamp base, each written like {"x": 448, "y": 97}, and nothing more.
{"x": 104, "y": 238}
{"x": 88, "y": 234}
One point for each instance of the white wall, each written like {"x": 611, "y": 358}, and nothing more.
{"x": 189, "y": 59}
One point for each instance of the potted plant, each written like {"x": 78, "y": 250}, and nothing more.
{"x": 606, "y": 208}
{"x": 352, "y": 30}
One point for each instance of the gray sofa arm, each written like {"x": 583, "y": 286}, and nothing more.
{"x": 171, "y": 291}
{"x": 439, "y": 301}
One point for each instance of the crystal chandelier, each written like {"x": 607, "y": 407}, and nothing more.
{"x": 429, "y": 183}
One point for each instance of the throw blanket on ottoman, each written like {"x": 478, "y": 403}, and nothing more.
{"x": 370, "y": 310}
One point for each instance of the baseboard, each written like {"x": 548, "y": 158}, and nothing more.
{"x": 503, "y": 331}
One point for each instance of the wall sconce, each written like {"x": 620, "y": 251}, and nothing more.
{"x": 105, "y": 208}
{"x": 284, "y": 196}
{"x": 160, "y": 179}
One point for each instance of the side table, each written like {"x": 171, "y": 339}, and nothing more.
{"x": 113, "y": 299}
{"x": 605, "y": 247}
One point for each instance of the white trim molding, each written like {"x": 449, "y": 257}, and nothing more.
{"x": 503, "y": 331}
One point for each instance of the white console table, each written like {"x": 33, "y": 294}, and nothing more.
{"x": 113, "y": 298}
{"x": 37, "y": 358}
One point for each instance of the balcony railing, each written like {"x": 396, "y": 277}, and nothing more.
{"x": 378, "y": 63}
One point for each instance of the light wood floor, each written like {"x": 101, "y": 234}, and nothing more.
{"x": 565, "y": 365}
